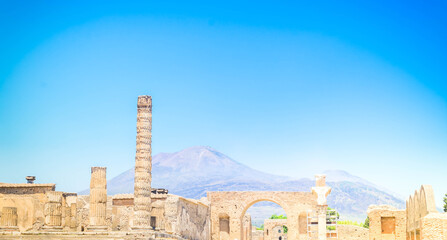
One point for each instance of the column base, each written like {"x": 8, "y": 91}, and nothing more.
{"x": 142, "y": 229}
{"x": 52, "y": 228}
{"x": 96, "y": 228}
{"x": 9, "y": 229}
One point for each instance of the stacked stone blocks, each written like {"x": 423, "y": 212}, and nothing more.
{"x": 9, "y": 217}
{"x": 53, "y": 210}
{"x": 98, "y": 199}
{"x": 143, "y": 165}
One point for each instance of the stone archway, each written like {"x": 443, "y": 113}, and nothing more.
{"x": 418, "y": 206}
{"x": 270, "y": 224}
{"x": 235, "y": 204}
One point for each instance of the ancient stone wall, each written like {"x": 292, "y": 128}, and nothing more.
{"x": 83, "y": 213}
{"x": 88, "y": 236}
{"x": 434, "y": 227}
{"x": 25, "y": 188}
{"x": 230, "y": 207}
{"x": 247, "y": 230}
{"x": 53, "y": 211}
{"x": 29, "y": 207}
{"x": 386, "y": 222}
{"x": 158, "y": 218}
{"x": 419, "y": 205}
{"x": 351, "y": 232}
{"x": 187, "y": 218}
{"x": 257, "y": 234}
{"x": 270, "y": 224}
{"x": 8, "y": 219}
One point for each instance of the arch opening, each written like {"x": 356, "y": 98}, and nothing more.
{"x": 264, "y": 219}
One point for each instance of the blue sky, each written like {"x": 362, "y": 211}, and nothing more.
{"x": 290, "y": 88}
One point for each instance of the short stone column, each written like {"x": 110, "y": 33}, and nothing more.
{"x": 70, "y": 211}
{"x": 321, "y": 191}
{"x": 9, "y": 219}
{"x": 53, "y": 211}
{"x": 98, "y": 200}
{"x": 73, "y": 215}
{"x": 322, "y": 230}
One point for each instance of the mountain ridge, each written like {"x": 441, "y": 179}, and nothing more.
{"x": 194, "y": 171}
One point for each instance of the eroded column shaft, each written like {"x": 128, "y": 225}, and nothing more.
{"x": 322, "y": 231}
{"x": 143, "y": 164}
{"x": 98, "y": 197}
{"x": 73, "y": 215}
{"x": 9, "y": 217}
{"x": 53, "y": 209}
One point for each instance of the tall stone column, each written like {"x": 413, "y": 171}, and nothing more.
{"x": 9, "y": 219}
{"x": 53, "y": 211}
{"x": 98, "y": 200}
{"x": 143, "y": 165}
{"x": 321, "y": 191}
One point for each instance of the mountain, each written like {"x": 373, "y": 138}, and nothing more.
{"x": 194, "y": 171}
{"x": 343, "y": 176}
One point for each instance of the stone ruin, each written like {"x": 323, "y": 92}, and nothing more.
{"x": 419, "y": 221}
{"x": 272, "y": 224}
{"x": 38, "y": 211}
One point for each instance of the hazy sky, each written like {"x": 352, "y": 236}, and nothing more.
{"x": 285, "y": 87}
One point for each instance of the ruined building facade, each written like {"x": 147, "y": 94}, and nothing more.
{"x": 38, "y": 211}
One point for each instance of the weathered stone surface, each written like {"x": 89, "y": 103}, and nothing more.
{"x": 351, "y": 232}
{"x": 70, "y": 206}
{"x": 420, "y": 219}
{"x": 25, "y": 188}
{"x": 269, "y": 225}
{"x": 30, "y": 209}
{"x": 434, "y": 226}
{"x": 419, "y": 205}
{"x": 257, "y": 234}
{"x": 8, "y": 217}
{"x": 247, "y": 227}
{"x": 143, "y": 164}
{"x": 187, "y": 218}
{"x": 233, "y": 206}
{"x": 321, "y": 191}
{"x": 88, "y": 236}
{"x": 98, "y": 199}
{"x": 386, "y": 222}
{"x": 53, "y": 210}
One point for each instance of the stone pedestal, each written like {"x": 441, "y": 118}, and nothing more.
{"x": 143, "y": 166}
{"x": 53, "y": 211}
{"x": 9, "y": 219}
{"x": 321, "y": 191}
{"x": 322, "y": 230}
{"x": 98, "y": 200}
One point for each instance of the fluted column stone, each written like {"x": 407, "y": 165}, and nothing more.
{"x": 143, "y": 165}
{"x": 70, "y": 211}
{"x": 9, "y": 219}
{"x": 53, "y": 211}
{"x": 98, "y": 200}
